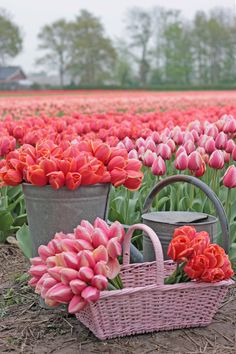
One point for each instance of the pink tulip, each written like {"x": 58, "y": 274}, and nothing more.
{"x": 55, "y": 246}
{"x": 221, "y": 141}
{"x": 90, "y": 294}
{"x": 67, "y": 275}
{"x": 100, "y": 254}
{"x": 44, "y": 252}
{"x": 230, "y": 145}
{"x": 77, "y": 303}
{"x": 179, "y": 151}
{"x": 155, "y": 137}
{"x": 181, "y": 161}
{"x": 82, "y": 233}
{"x": 226, "y": 157}
{"x": 69, "y": 260}
{"x": 113, "y": 268}
{"x": 230, "y": 126}
{"x": 128, "y": 144}
{"x": 85, "y": 258}
{"x": 201, "y": 150}
{"x": 55, "y": 272}
{"x": 51, "y": 261}
{"x": 69, "y": 245}
{"x": 36, "y": 261}
{"x": 194, "y": 161}
{"x": 140, "y": 142}
{"x": 33, "y": 282}
{"x": 211, "y": 130}
{"x": 210, "y": 145}
{"x": 86, "y": 274}
{"x": 158, "y": 167}
{"x": 195, "y": 135}
{"x": 101, "y": 268}
{"x": 117, "y": 230}
{"x": 171, "y": 144}
{"x": 216, "y": 160}
{"x": 114, "y": 247}
{"x": 148, "y": 158}
{"x": 40, "y": 283}
{"x": 164, "y": 151}
{"x": 178, "y": 138}
{"x": 189, "y": 147}
{"x": 99, "y": 238}
{"x": 141, "y": 152}
{"x": 101, "y": 224}
{"x": 133, "y": 164}
{"x": 77, "y": 286}
{"x": 133, "y": 154}
{"x": 83, "y": 245}
{"x": 188, "y": 136}
{"x": 60, "y": 293}
{"x": 88, "y": 226}
{"x": 229, "y": 178}
{"x": 234, "y": 153}
{"x": 100, "y": 282}
{"x": 150, "y": 145}
{"x": 49, "y": 282}
{"x": 38, "y": 270}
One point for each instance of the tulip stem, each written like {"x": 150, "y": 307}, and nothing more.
{"x": 228, "y": 204}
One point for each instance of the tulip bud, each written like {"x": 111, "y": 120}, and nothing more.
{"x": 229, "y": 178}
{"x": 194, "y": 161}
{"x": 114, "y": 248}
{"x": 82, "y": 233}
{"x": 118, "y": 176}
{"x": 216, "y": 160}
{"x": 180, "y": 150}
{"x": 38, "y": 270}
{"x": 164, "y": 151}
{"x": 86, "y": 274}
{"x": 33, "y": 282}
{"x": 90, "y": 294}
{"x": 181, "y": 161}
{"x": 129, "y": 145}
{"x": 73, "y": 180}
{"x": 60, "y": 293}
{"x": 101, "y": 268}
{"x": 230, "y": 145}
{"x": 113, "y": 268}
{"x": 100, "y": 254}
{"x": 56, "y": 179}
{"x": 189, "y": 146}
{"x": 158, "y": 167}
{"x": 210, "y": 145}
{"x": 133, "y": 154}
{"x": 117, "y": 230}
{"x": 101, "y": 224}
{"x": 221, "y": 141}
{"x": 36, "y": 261}
{"x": 85, "y": 259}
{"x": 100, "y": 282}
{"x": 77, "y": 303}
{"x": 230, "y": 126}
{"x": 44, "y": 252}
{"x": 77, "y": 286}
{"x": 87, "y": 225}
{"x": 67, "y": 275}
{"x": 99, "y": 238}
{"x": 148, "y": 158}
{"x": 51, "y": 261}
{"x": 55, "y": 272}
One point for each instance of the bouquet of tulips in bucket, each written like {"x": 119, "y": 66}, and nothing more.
{"x": 74, "y": 268}
{"x": 196, "y": 258}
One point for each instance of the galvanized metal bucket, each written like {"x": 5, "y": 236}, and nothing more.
{"x": 164, "y": 223}
{"x": 50, "y": 211}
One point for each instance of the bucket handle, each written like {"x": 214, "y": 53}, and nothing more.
{"x": 156, "y": 245}
{"x": 207, "y": 190}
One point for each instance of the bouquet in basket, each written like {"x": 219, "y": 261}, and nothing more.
{"x": 73, "y": 269}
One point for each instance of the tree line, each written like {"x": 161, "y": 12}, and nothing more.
{"x": 160, "y": 47}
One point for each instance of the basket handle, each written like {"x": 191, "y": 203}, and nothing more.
{"x": 207, "y": 190}
{"x": 156, "y": 245}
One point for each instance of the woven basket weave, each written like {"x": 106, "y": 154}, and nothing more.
{"x": 146, "y": 304}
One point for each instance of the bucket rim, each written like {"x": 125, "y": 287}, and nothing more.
{"x": 213, "y": 219}
{"x": 48, "y": 186}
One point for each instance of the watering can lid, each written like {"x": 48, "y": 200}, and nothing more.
{"x": 175, "y": 217}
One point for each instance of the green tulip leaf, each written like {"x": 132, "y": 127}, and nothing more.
{"x": 24, "y": 241}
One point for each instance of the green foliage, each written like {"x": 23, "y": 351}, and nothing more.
{"x": 10, "y": 38}
{"x": 24, "y": 241}
{"x": 12, "y": 211}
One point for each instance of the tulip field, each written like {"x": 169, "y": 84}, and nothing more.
{"x": 132, "y": 140}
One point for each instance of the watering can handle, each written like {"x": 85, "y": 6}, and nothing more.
{"x": 204, "y": 187}
{"x": 156, "y": 245}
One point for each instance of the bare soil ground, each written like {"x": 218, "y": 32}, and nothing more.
{"x": 26, "y": 328}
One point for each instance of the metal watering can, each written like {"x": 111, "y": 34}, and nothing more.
{"x": 164, "y": 223}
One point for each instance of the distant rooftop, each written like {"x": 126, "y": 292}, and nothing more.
{"x": 11, "y": 73}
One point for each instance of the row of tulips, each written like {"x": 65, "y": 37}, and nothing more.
{"x": 70, "y": 165}
{"x": 74, "y": 268}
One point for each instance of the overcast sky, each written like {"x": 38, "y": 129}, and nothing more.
{"x": 31, "y": 15}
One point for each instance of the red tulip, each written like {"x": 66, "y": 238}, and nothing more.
{"x": 56, "y": 179}
{"x": 134, "y": 180}
{"x": 11, "y": 177}
{"x": 37, "y": 176}
{"x": 118, "y": 176}
{"x": 73, "y": 180}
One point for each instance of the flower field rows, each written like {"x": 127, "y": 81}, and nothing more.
{"x": 174, "y": 133}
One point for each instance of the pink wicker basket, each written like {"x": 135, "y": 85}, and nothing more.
{"x": 146, "y": 304}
